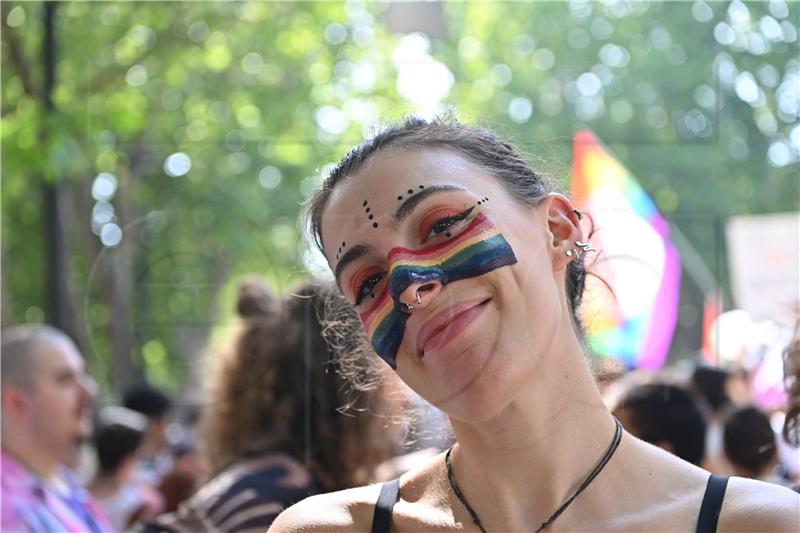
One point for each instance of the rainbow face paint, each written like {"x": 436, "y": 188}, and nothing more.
{"x": 479, "y": 249}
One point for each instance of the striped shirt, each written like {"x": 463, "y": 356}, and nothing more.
{"x": 244, "y": 498}
{"x": 30, "y": 504}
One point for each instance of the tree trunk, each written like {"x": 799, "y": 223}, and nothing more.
{"x": 59, "y": 312}
{"x": 6, "y": 312}
{"x": 126, "y": 372}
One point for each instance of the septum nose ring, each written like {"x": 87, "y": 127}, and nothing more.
{"x": 410, "y": 308}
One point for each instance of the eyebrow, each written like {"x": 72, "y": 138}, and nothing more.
{"x": 356, "y": 252}
{"x": 407, "y": 207}
{"x": 400, "y": 215}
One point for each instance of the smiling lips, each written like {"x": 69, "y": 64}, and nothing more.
{"x": 447, "y": 325}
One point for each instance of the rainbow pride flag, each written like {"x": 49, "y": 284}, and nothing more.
{"x": 630, "y": 312}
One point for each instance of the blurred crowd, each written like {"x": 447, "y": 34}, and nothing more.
{"x": 280, "y": 422}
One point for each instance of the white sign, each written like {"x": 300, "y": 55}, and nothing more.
{"x": 764, "y": 257}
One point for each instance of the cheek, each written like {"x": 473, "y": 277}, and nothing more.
{"x": 535, "y": 302}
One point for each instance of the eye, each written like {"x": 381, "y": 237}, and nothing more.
{"x": 367, "y": 287}
{"x": 434, "y": 224}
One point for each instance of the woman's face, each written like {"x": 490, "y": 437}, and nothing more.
{"x": 476, "y": 327}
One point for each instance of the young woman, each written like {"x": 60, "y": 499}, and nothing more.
{"x": 467, "y": 271}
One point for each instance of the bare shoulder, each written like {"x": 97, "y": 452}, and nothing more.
{"x": 751, "y": 506}
{"x": 344, "y": 510}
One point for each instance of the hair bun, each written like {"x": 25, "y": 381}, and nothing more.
{"x": 255, "y": 299}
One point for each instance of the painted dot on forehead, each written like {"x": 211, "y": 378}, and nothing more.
{"x": 399, "y": 197}
{"x": 374, "y": 224}
{"x": 364, "y": 204}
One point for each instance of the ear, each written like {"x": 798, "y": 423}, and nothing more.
{"x": 15, "y": 402}
{"x": 563, "y": 223}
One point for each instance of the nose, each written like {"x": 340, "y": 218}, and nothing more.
{"x": 88, "y": 386}
{"x": 420, "y": 295}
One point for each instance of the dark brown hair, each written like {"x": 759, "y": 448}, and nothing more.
{"x": 274, "y": 390}
{"x": 748, "y": 439}
{"x": 791, "y": 370}
{"x": 478, "y": 145}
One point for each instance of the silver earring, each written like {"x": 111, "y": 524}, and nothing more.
{"x": 585, "y": 246}
{"x": 569, "y": 253}
{"x": 419, "y": 300}
{"x": 407, "y": 307}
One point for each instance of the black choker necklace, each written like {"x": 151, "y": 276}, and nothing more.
{"x": 593, "y": 474}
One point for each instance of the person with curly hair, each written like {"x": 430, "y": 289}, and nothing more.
{"x": 467, "y": 271}
{"x": 280, "y": 424}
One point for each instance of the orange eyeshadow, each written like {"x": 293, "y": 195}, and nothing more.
{"x": 433, "y": 216}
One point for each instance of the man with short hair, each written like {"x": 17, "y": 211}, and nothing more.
{"x": 46, "y": 412}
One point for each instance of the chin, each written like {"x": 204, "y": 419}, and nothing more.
{"x": 477, "y": 400}
{"x": 501, "y": 380}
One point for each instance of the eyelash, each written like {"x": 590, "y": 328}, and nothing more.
{"x": 369, "y": 284}
{"x": 440, "y": 226}
{"x": 445, "y": 223}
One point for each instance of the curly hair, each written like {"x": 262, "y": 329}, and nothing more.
{"x": 273, "y": 391}
{"x": 791, "y": 370}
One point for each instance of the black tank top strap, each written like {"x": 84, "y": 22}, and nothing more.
{"x": 382, "y": 519}
{"x": 712, "y": 504}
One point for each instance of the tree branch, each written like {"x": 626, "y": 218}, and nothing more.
{"x": 17, "y": 55}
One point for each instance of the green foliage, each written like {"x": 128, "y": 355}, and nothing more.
{"x": 261, "y": 96}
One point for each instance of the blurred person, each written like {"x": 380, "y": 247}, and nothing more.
{"x": 155, "y": 457}
{"x": 749, "y": 445}
{"x": 711, "y": 385}
{"x": 177, "y": 486}
{"x": 791, "y": 371}
{"x": 665, "y": 415}
{"x": 46, "y": 412}
{"x": 117, "y": 441}
{"x": 273, "y": 431}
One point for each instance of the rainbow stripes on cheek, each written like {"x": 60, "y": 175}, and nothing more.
{"x": 478, "y": 250}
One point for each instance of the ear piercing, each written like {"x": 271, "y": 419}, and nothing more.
{"x": 417, "y": 298}
{"x": 578, "y": 214}
{"x": 584, "y": 246}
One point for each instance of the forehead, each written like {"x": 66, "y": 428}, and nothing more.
{"x": 53, "y": 355}
{"x": 368, "y": 197}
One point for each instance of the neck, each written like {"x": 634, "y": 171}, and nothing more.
{"x": 554, "y": 432}
{"x": 151, "y": 445}
{"x": 41, "y": 463}
{"x": 105, "y": 484}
